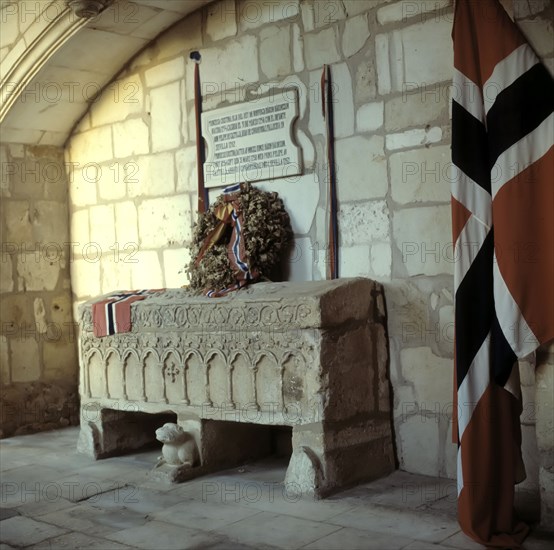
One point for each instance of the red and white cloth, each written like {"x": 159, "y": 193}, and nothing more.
{"x": 503, "y": 229}
{"x": 112, "y": 315}
{"x": 230, "y": 213}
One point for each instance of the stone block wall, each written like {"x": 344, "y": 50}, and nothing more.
{"x": 38, "y": 352}
{"x": 133, "y": 168}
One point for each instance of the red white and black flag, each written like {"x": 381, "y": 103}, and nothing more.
{"x": 503, "y": 230}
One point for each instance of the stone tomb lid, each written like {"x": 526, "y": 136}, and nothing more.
{"x": 308, "y": 304}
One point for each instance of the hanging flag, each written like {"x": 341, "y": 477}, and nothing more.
{"x": 503, "y": 230}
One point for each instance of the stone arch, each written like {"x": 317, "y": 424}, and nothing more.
{"x": 55, "y": 41}
{"x": 114, "y": 374}
{"x": 94, "y": 379}
{"x": 219, "y": 383}
{"x": 194, "y": 378}
{"x": 243, "y": 389}
{"x": 268, "y": 381}
{"x": 133, "y": 376}
{"x": 294, "y": 378}
{"x": 153, "y": 376}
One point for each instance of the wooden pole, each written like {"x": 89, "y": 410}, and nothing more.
{"x": 203, "y": 201}
{"x": 333, "y": 233}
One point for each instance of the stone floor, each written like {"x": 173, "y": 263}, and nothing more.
{"x": 54, "y": 498}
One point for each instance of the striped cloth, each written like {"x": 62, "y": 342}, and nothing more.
{"x": 230, "y": 213}
{"x": 503, "y": 227}
{"x": 112, "y": 315}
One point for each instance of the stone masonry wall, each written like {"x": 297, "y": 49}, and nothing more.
{"x": 38, "y": 352}
{"x": 133, "y": 172}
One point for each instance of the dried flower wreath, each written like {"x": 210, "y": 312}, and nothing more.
{"x": 246, "y": 216}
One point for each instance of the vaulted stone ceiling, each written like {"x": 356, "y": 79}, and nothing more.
{"x": 53, "y": 63}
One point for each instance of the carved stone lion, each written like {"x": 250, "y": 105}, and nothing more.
{"x": 179, "y": 447}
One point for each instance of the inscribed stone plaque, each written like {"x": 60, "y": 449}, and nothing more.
{"x": 252, "y": 141}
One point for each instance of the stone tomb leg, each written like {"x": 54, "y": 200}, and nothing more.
{"x": 311, "y": 355}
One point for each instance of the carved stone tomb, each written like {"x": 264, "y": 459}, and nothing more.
{"x": 312, "y": 356}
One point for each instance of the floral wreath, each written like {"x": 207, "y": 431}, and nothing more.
{"x": 242, "y": 238}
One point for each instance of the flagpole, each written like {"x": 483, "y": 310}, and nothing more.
{"x": 327, "y": 106}
{"x": 203, "y": 201}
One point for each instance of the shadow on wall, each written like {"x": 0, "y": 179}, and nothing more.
{"x": 38, "y": 349}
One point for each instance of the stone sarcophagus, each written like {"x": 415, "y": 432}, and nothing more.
{"x": 312, "y": 356}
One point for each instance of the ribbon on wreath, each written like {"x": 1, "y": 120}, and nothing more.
{"x": 230, "y": 214}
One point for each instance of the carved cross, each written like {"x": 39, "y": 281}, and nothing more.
{"x": 172, "y": 370}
